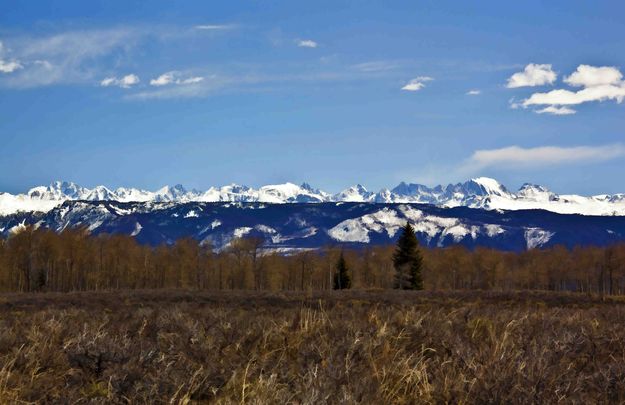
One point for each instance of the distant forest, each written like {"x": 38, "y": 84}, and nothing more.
{"x": 73, "y": 260}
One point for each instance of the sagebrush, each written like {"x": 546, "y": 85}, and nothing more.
{"x": 344, "y": 347}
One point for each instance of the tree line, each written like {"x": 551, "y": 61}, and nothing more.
{"x": 73, "y": 260}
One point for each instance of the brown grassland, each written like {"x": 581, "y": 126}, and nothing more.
{"x": 376, "y": 347}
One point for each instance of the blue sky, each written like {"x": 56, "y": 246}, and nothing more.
{"x": 328, "y": 92}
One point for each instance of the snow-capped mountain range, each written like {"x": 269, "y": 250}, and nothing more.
{"x": 482, "y": 192}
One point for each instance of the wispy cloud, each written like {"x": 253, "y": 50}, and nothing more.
{"x": 67, "y": 57}
{"x": 307, "y": 43}
{"x": 553, "y": 110}
{"x": 174, "y": 77}
{"x": 194, "y": 87}
{"x": 519, "y": 157}
{"x": 81, "y": 56}
{"x": 244, "y": 81}
{"x": 124, "y": 82}
{"x": 215, "y": 27}
{"x": 8, "y": 66}
{"x": 533, "y": 75}
{"x": 260, "y": 77}
{"x": 417, "y": 83}
{"x": 376, "y": 66}
{"x": 474, "y": 92}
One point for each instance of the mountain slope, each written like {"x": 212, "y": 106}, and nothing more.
{"x": 298, "y": 226}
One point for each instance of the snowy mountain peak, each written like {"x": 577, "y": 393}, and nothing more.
{"x": 236, "y": 188}
{"x": 177, "y": 189}
{"x": 531, "y": 186}
{"x": 58, "y": 190}
{"x": 488, "y": 186}
{"x": 357, "y": 193}
{"x": 307, "y": 187}
{"x": 173, "y": 193}
{"x": 384, "y": 196}
{"x": 535, "y": 192}
{"x": 480, "y": 192}
{"x": 404, "y": 188}
{"x": 281, "y": 193}
{"x": 100, "y": 193}
{"x": 132, "y": 194}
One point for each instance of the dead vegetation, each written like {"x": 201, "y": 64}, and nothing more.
{"x": 348, "y": 347}
{"x": 74, "y": 260}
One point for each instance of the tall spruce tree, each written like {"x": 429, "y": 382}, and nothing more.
{"x": 408, "y": 261}
{"x": 341, "y": 277}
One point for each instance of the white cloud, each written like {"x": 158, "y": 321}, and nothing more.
{"x": 590, "y": 76}
{"x": 417, "y": 83}
{"x": 129, "y": 80}
{"x": 533, "y": 75}
{"x": 307, "y": 43}
{"x": 125, "y": 82}
{"x": 599, "y": 84}
{"x": 553, "y": 110}
{"x": 173, "y": 78}
{"x": 567, "y": 97}
{"x": 163, "y": 80}
{"x": 516, "y": 156}
{"x": 10, "y": 66}
{"x": 215, "y": 27}
{"x": 474, "y": 92}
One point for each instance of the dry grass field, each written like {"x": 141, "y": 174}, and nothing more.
{"x": 348, "y": 347}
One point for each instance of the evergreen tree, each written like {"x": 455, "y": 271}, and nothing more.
{"x": 341, "y": 277}
{"x": 408, "y": 261}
